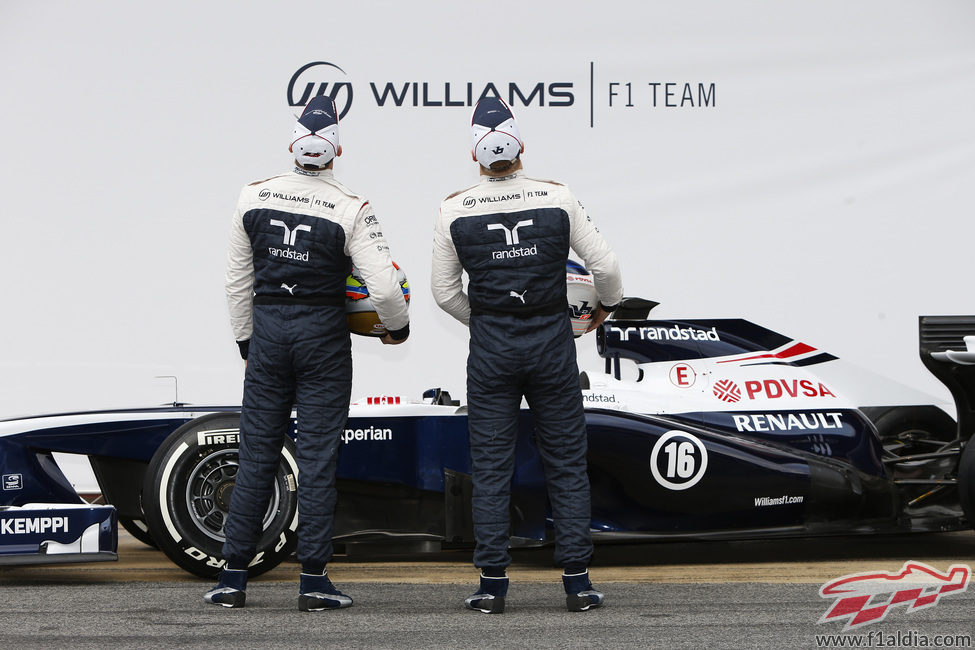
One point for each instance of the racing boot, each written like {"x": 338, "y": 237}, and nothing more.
{"x": 490, "y": 595}
{"x": 579, "y": 593}
{"x": 318, "y": 593}
{"x": 229, "y": 592}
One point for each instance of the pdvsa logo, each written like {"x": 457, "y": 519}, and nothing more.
{"x": 321, "y": 78}
{"x": 727, "y": 391}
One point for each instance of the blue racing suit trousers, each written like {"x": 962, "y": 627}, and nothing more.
{"x": 300, "y": 356}
{"x": 534, "y": 357}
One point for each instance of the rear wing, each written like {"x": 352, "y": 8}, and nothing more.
{"x": 950, "y": 357}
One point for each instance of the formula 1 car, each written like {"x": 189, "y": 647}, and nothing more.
{"x": 726, "y": 430}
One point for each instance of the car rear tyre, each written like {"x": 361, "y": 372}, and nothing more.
{"x": 906, "y": 430}
{"x": 186, "y": 497}
{"x": 918, "y": 430}
{"x": 966, "y": 481}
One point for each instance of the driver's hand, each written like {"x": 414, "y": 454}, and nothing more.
{"x": 389, "y": 340}
{"x": 598, "y": 317}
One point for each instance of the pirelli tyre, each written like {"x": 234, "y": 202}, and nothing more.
{"x": 186, "y": 497}
{"x": 912, "y": 429}
{"x": 138, "y": 529}
{"x": 966, "y": 481}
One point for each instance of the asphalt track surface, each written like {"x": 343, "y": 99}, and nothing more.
{"x": 755, "y": 594}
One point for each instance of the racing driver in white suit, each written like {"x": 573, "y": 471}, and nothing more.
{"x": 293, "y": 241}
{"x": 512, "y": 235}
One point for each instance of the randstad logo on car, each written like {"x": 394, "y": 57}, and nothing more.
{"x": 673, "y": 333}
{"x": 866, "y": 598}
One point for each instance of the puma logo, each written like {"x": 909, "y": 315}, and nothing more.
{"x": 519, "y": 296}
{"x": 290, "y": 289}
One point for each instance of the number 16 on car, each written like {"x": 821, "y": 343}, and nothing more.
{"x": 678, "y": 460}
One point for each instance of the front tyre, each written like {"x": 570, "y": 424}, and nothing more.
{"x": 186, "y": 497}
{"x": 138, "y": 529}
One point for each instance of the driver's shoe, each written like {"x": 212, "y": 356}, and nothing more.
{"x": 317, "y": 593}
{"x": 490, "y": 595}
{"x": 229, "y": 592}
{"x": 580, "y": 595}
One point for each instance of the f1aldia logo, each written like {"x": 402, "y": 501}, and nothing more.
{"x": 866, "y": 598}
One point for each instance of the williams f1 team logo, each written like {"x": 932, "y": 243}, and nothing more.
{"x": 865, "y": 598}
{"x": 321, "y": 78}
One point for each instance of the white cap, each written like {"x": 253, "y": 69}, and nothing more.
{"x": 316, "y": 136}
{"x": 494, "y": 132}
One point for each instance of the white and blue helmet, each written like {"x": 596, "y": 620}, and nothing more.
{"x": 360, "y": 315}
{"x": 316, "y": 136}
{"x": 581, "y": 294}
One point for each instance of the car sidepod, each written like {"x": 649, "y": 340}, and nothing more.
{"x": 403, "y": 474}
{"x": 656, "y": 476}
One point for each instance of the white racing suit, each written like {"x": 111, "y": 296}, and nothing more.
{"x": 512, "y": 236}
{"x": 293, "y": 241}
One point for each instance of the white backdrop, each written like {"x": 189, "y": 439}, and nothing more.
{"x": 824, "y": 190}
